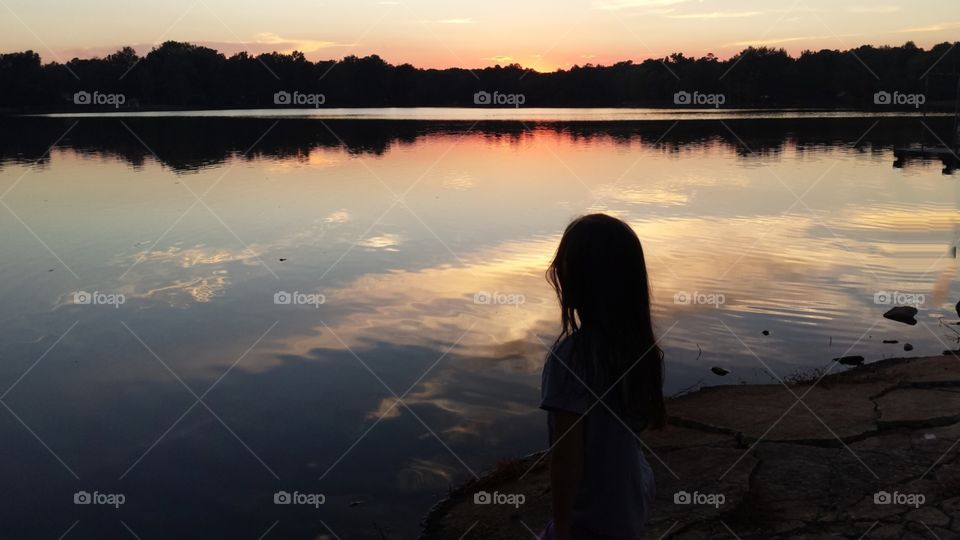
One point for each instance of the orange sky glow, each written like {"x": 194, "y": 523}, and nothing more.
{"x": 544, "y": 35}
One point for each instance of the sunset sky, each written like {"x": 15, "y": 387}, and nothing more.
{"x": 542, "y": 34}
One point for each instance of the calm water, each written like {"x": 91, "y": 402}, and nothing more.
{"x": 199, "y": 396}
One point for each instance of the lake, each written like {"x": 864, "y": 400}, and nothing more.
{"x": 204, "y": 311}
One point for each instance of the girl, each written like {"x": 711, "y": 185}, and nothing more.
{"x": 602, "y": 383}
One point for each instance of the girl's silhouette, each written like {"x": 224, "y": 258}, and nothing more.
{"x": 602, "y": 384}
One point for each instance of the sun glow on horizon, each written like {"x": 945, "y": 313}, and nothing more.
{"x": 538, "y": 35}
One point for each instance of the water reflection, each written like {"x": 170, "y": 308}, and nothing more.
{"x": 428, "y": 241}
{"x": 188, "y": 143}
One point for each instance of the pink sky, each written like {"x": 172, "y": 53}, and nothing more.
{"x": 541, "y": 34}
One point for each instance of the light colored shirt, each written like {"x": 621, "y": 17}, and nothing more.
{"x": 616, "y": 490}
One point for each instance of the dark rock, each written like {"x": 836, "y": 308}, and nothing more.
{"x": 766, "y": 332}
{"x": 907, "y": 347}
{"x": 282, "y": 259}
{"x": 958, "y": 309}
{"x": 850, "y": 360}
{"x": 890, "y": 341}
{"x": 740, "y": 441}
{"x": 720, "y": 371}
{"x": 903, "y": 314}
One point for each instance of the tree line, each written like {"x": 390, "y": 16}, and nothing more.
{"x": 177, "y": 75}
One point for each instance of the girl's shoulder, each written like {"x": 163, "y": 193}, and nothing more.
{"x": 561, "y": 360}
{"x": 562, "y": 385}
{"x": 563, "y": 365}
{"x": 562, "y": 350}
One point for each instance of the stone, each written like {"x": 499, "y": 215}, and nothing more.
{"x": 902, "y": 314}
{"x": 850, "y": 360}
{"x": 929, "y": 515}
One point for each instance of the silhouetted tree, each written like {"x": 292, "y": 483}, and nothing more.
{"x": 183, "y": 75}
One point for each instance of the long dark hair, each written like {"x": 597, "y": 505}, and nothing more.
{"x": 600, "y": 277}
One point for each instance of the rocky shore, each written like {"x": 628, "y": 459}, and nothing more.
{"x": 867, "y": 453}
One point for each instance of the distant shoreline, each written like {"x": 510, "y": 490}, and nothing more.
{"x": 181, "y": 75}
{"x": 485, "y": 113}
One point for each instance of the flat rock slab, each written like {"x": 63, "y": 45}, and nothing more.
{"x": 779, "y": 413}
{"x": 873, "y": 452}
{"x": 674, "y": 436}
{"x": 918, "y": 407}
{"x": 933, "y": 369}
{"x": 700, "y": 483}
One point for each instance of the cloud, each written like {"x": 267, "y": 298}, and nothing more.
{"x": 873, "y": 9}
{"x": 769, "y": 42}
{"x": 465, "y": 20}
{"x": 619, "y": 5}
{"x": 289, "y": 45}
{"x": 340, "y": 216}
{"x": 717, "y": 15}
{"x": 500, "y": 58}
{"x": 660, "y": 11}
{"x": 932, "y": 28}
{"x": 385, "y": 242}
